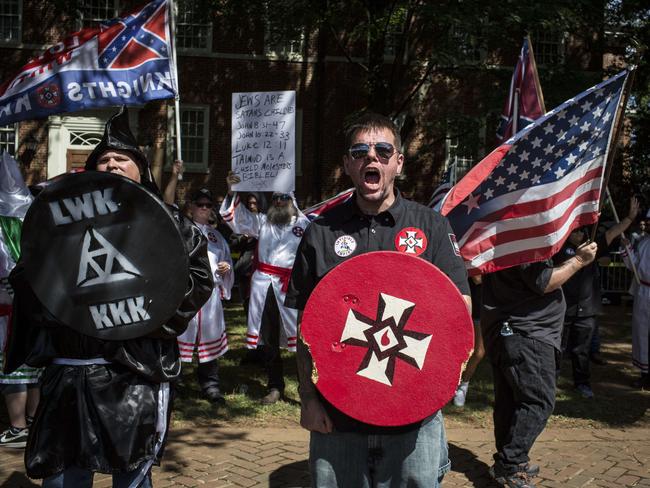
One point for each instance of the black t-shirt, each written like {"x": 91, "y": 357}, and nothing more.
{"x": 317, "y": 255}
{"x": 582, "y": 290}
{"x": 516, "y": 295}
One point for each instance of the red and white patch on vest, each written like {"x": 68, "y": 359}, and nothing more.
{"x": 390, "y": 349}
{"x": 212, "y": 237}
{"x": 298, "y": 231}
{"x": 454, "y": 244}
{"x": 411, "y": 240}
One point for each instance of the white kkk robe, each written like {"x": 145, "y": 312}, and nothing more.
{"x": 641, "y": 310}
{"x": 206, "y": 332}
{"x": 276, "y": 252}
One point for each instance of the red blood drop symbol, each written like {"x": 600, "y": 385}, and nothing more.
{"x": 385, "y": 340}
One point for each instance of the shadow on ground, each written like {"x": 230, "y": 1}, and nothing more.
{"x": 465, "y": 461}
{"x": 19, "y": 480}
{"x": 294, "y": 475}
{"x": 210, "y": 439}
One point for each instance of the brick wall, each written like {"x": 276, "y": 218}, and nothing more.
{"x": 211, "y": 79}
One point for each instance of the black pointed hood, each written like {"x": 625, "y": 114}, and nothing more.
{"x": 118, "y": 135}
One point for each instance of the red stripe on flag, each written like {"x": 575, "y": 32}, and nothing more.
{"x": 532, "y": 208}
{"x": 472, "y": 247}
{"x": 473, "y": 179}
{"x": 537, "y": 206}
{"x": 530, "y": 255}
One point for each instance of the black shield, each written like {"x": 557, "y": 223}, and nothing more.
{"x": 104, "y": 255}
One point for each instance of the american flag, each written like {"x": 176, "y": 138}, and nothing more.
{"x": 320, "y": 208}
{"x": 521, "y": 202}
{"x": 448, "y": 180}
{"x": 525, "y": 102}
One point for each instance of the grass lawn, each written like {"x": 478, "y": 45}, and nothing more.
{"x": 615, "y": 405}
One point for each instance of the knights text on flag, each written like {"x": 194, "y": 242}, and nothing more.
{"x": 123, "y": 61}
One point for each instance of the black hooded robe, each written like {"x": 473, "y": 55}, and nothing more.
{"x": 103, "y": 417}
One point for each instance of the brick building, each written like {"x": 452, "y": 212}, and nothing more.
{"x": 454, "y": 112}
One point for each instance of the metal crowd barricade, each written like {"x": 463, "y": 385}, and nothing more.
{"x": 615, "y": 277}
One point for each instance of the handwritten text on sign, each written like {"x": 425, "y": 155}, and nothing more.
{"x": 263, "y": 140}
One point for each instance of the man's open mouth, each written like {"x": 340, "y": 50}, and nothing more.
{"x": 371, "y": 176}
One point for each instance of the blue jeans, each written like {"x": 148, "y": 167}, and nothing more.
{"x": 415, "y": 459}
{"x": 83, "y": 478}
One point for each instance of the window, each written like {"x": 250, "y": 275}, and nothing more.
{"x": 85, "y": 138}
{"x": 10, "y": 20}
{"x": 192, "y": 31}
{"x": 94, "y": 12}
{"x": 469, "y": 47}
{"x": 464, "y": 144}
{"x": 395, "y": 32}
{"x": 459, "y": 153}
{"x": 8, "y": 139}
{"x": 548, "y": 47}
{"x": 194, "y": 136}
{"x": 282, "y": 39}
{"x": 286, "y": 48}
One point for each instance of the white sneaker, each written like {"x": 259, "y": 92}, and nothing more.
{"x": 461, "y": 394}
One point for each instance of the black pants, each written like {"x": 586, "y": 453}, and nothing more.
{"x": 270, "y": 333}
{"x": 243, "y": 271}
{"x": 524, "y": 396}
{"x": 208, "y": 374}
{"x": 576, "y": 339}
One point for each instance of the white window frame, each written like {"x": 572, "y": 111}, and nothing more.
{"x": 18, "y": 40}
{"x": 541, "y": 37}
{"x": 95, "y": 21}
{"x": 287, "y": 50}
{"x": 7, "y": 129}
{"x": 207, "y": 25}
{"x": 171, "y": 140}
{"x": 465, "y": 161}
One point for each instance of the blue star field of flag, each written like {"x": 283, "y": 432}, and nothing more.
{"x": 571, "y": 135}
{"x": 133, "y": 30}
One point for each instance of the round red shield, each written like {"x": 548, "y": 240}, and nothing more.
{"x": 389, "y": 334}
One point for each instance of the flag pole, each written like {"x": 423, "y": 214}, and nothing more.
{"x": 177, "y": 98}
{"x": 515, "y": 113}
{"x": 611, "y": 204}
{"x": 538, "y": 85}
{"x": 618, "y": 123}
{"x": 454, "y": 165}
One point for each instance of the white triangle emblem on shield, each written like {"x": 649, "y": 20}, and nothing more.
{"x": 116, "y": 266}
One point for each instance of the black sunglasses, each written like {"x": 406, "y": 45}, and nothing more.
{"x": 285, "y": 197}
{"x": 384, "y": 150}
{"x": 203, "y": 205}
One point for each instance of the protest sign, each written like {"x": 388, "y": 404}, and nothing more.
{"x": 263, "y": 140}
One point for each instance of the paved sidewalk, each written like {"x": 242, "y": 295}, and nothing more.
{"x": 224, "y": 457}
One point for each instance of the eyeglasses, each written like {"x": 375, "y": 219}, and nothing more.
{"x": 203, "y": 205}
{"x": 285, "y": 197}
{"x": 384, "y": 150}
